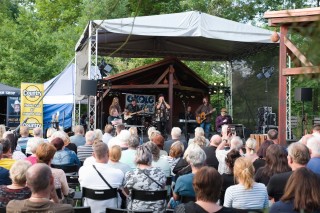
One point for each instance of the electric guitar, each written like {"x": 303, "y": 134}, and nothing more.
{"x": 202, "y": 116}
{"x": 128, "y": 115}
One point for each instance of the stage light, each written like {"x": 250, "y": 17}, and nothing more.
{"x": 104, "y": 68}
{"x": 260, "y": 76}
{"x": 221, "y": 84}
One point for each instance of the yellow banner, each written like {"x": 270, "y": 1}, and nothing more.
{"x": 31, "y": 105}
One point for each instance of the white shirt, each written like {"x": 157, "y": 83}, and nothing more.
{"x": 106, "y": 137}
{"x": 89, "y": 178}
{"x": 221, "y": 156}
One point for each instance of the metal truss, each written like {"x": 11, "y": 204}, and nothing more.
{"x": 228, "y": 83}
{"x": 288, "y": 105}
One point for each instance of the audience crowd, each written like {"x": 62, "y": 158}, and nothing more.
{"x": 221, "y": 174}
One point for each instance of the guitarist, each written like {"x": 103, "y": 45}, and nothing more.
{"x": 207, "y": 109}
{"x": 132, "y": 108}
{"x": 223, "y": 119}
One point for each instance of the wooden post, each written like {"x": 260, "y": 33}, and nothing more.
{"x": 282, "y": 105}
{"x": 171, "y": 71}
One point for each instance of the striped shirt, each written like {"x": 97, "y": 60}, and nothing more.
{"x": 84, "y": 151}
{"x": 237, "y": 196}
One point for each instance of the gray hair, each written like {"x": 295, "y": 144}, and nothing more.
{"x": 313, "y": 144}
{"x": 59, "y": 134}
{"x": 133, "y": 141}
{"x": 175, "y": 133}
{"x": 79, "y": 129}
{"x": 90, "y": 136}
{"x": 236, "y": 143}
{"x": 299, "y": 153}
{"x": 200, "y": 140}
{"x": 196, "y": 157}
{"x": 18, "y": 171}
{"x": 198, "y": 132}
{"x": 143, "y": 155}
{"x": 37, "y": 132}
{"x": 154, "y": 150}
{"x": 98, "y": 133}
{"x": 34, "y": 143}
{"x": 150, "y": 130}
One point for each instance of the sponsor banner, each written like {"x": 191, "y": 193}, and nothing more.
{"x": 13, "y": 111}
{"x": 31, "y": 105}
{"x": 143, "y": 101}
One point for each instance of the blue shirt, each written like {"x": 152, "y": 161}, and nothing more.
{"x": 4, "y": 176}
{"x": 314, "y": 165}
{"x": 65, "y": 157}
{"x": 184, "y": 187}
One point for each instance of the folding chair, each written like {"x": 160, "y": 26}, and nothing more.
{"x": 66, "y": 168}
{"x": 82, "y": 209}
{"x": 148, "y": 195}
{"x": 99, "y": 194}
{"x": 114, "y": 210}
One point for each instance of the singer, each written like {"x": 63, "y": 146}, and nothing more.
{"x": 162, "y": 115}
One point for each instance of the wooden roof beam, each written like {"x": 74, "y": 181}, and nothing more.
{"x": 162, "y": 76}
{"x": 301, "y": 71}
{"x": 297, "y": 52}
{"x": 144, "y": 86}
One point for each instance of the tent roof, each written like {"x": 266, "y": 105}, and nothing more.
{"x": 6, "y": 90}
{"x": 189, "y": 35}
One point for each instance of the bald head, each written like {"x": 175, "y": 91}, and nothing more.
{"x": 38, "y": 177}
{"x": 215, "y": 140}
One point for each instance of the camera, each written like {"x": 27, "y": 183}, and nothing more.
{"x": 231, "y": 130}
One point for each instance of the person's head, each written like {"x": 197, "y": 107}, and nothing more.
{"x": 123, "y": 138}
{"x": 101, "y": 152}
{"x": 34, "y": 143}
{"x": 57, "y": 143}
{"x": 175, "y": 133}
{"x": 98, "y": 134}
{"x": 314, "y": 146}
{"x": 298, "y": 155}
{"x": 115, "y": 153}
{"x": 115, "y": 101}
{"x": 90, "y": 136}
{"x": 50, "y": 131}
{"x": 196, "y": 157}
{"x": 251, "y": 146}
{"x": 215, "y": 140}
{"x": 276, "y": 160}
{"x": 143, "y": 155}
{"x": 39, "y": 178}
{"x": 236, "y": 143}
{"x": 6, "y": 145}
{"x": 262, "y": 151}
{"x": 16, "y": 106}
{"x": 133, "y": 142}
{"x": 207, "y": 183}
{"x": 24, "y": 131}
{"x": 272, "y": 134}
{"x": 231, "y": 157}
{"x": 303, "y": 188}
{"x": 79, "y": 130}
{"x": 316, "y": 128}
{"x": 189, "y": 109}
{"x": 200, "y": 140}
{"x": 45, "y": 153}
{"x": 119, "y": 128}
{"x": 198, "y": 131}
{"x": 205, "y": 100}
{"x": 160, "y": 97}
{"x": 18, "y": 172}
{"x": 12, "y": 138}
{"x": 176, "y": 149}
{"x": 150, "y": 130}
{"x": 62, "y": 135}
{"x": 37, "y": 132}
{"x": 154, "y": 150}
{"x": 158, "y": 139}
{"x": 133, "y": 130}
{"x": 108, "y": 128}
{"x": 134, "y": 102}
{"x": 223, "y": 111}
{"x": 243, "y": 171}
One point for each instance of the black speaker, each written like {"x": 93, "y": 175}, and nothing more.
{"x": 88, "y": 87}
{"x": 303, "y": 94}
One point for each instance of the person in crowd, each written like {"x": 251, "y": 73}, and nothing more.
{"x": 145, "y": 177}
{"x": 301, "y": 193}
{"x": 200, "y": 140}
{"x": 66, "y": 140}
{"x": 183, "y": 189}
{"x": 157, "y": 161}
{"x": 134, "y": 131}
{"x": 2, "y": 130}
{"x": 99, "y": 134}
{"x": 35, "y": 142}
{"x": 128, "y": 156}
{"x": 175, "y": 154}
{"x": 119, "y": 128}
{"x": 121, "y": 139}
{"x": 159, "y": 141}
{"x": 18, "y": 189}
{"x": 314, "y": 146}
{"x": 131, "y": 112}
{"x": 107, "y": 133}
{"x": 114, "y": 157}
{"x": 89, "y": 177}
{"x": 228, "y": 179}
{"x": 272, "y": 135}
{"x": 206, "y": 110}
{"x": 41, "y": 183}
{"x": 24, "y": 137}
{"x": 247, "y": 194}
{"x": 6, "y": 160}
{"x": 207, "y": 184}
{"x": 175, "y": 136}
{"x": 84, "y": 122}
{"x": 198, "y": 131}
{"x": 4, "y": 173}
{"x": 298, "y": 156}
{"x": 162, "y": 115}
{"x": 150, "y": 132}
{"x": 37, "y": 133}
{"x": 276, "y": 162}
{"x": 50, "y": 132}
{"x": 86, "y": 150}
{"x": 115, "y": 105}
{"x": 114, "y": 118}
{"x": 221, "y": 154}
{"x": 15, "y": 149}
{"x": 316, "y": 130}
{"x": 223, "y": 119}
{"x": 63, "y": 156}
{"x": 211, "y": 151}
{"x": 78, "y": 139}
{"x": 262, "y": 153}
{"x": 251, "y": 152}
{"x": 45, "y": 153}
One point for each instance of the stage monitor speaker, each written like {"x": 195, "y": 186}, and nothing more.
{"x": 303, "y": 94}
{"x": 88, "y": 87}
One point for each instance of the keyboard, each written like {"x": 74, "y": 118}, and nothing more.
{"x": 188, "y": 121}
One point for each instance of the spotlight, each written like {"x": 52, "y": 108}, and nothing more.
{"x": 221, "y": 84}
{"x": 260, "y": 76}
{"x": 104, "y": 68}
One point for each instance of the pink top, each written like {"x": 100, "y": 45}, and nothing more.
{"x": 32, "y": 159}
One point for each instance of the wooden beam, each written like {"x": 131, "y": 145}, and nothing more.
{"x": 162, "y": 76}
{"x": 146, "y": 86}
{"x": 301, "y": 71}
{"x": 292, "y": 13}
{"x": 191, "y": 89}
{"x": 297, "y": 52}
{"x": 292, "y": 20}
